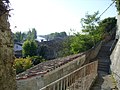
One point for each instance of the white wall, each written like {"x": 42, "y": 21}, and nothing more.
{"x": 115, "y": 56}
{"x": 17, "y": 47}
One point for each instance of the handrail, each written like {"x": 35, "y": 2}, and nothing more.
{"x": 74, "y": 72}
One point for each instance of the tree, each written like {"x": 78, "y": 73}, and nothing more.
{"x": 117, "y": 5}
{"x": 90, "y": 22}
{"x": 107, "y": 27}
{"x": 37, "y": 59}
{"x": 29, "y": 48}
{"x": 19, "y": 36}
{"x": 90, "y": 26}
{"x": 55, "y": 35}
{"x": 32, "y": 34}
{"x": 29, "y": 35}
{"x": 65, "y": 49}
{"x": 107, "y": 24}
{"x": 63, "y": 34}
{"x": 81, "y": 43}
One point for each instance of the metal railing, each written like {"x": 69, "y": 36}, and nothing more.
{"x": 68, "y": 80}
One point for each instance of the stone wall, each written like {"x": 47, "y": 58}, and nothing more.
{"x": 7, "y": 74}
{"x": 115, "y": 56}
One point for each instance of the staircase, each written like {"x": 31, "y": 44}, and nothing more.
{"x": 104, "y": 80}
{"x": 104, "y": 58}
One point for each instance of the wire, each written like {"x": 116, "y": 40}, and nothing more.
{"x": 107, "y": 8}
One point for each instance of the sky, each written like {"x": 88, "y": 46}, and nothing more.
{"x": 49, "y": 16}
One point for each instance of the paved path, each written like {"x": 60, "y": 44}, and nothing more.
{"x": 104, "y": 81}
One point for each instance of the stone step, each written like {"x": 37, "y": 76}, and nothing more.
{"x": 105, "y": 48}
{"x": 105, "y": 53}
{"x": 103, "y": 69}
{"x": 102, "y": 61}
{"x": 104, "y": 66}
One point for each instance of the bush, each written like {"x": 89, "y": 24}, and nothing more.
{"x": 36, "y": 59}
{"x": 29, "y": 48}
{"x": 22, "y": 64}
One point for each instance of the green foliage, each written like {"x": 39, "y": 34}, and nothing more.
{"x": 21, "y": 37}
{"x": 22, "y": 64}
{"x": 90, "y": 26}
{"x": 117, "y": 5}
{"x": 81, "y": 43}
{"x": 107, "y": 27}
{"x": 108, "y": 24}
{"x": 89, "y": 23}
{"x": 29, "y": 48}
{"x": 93, "y": 32}
{"x": 42, "y": 50}
{"x": 32, "y": 34}
{"x": 37, "y": 59}
{"x": 66, "y": 49}
{"x": 55, "y": 35}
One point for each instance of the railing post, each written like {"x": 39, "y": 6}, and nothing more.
{"x": 53, "y": 86}
{"x": 61, "y": 85}
{"x": 66, "y": 81}
{"x": 58, "y": 85}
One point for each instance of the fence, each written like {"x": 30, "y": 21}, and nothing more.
{"x": 83, "y": 76}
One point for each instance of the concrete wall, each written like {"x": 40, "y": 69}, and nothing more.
{"x": 115, "y": 56}
{"x": 93, "y": 52}
{"x": 7, "y": 74}
{"x": 37, "y": 82}
{"x": 118, "y": 27}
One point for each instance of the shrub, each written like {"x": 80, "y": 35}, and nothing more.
{"x": 36, "y": 59}
{"x": 22, "y": 64}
